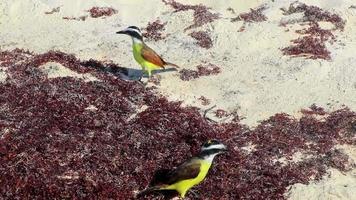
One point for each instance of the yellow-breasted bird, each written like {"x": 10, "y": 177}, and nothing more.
{"x": 144, "y": 55}
{"x": 191, "y": 172}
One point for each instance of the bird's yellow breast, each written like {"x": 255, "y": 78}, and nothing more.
{"x": 136, "y": 49}
{"x": 146, "y": 66}
{"x": 183, "y": 186}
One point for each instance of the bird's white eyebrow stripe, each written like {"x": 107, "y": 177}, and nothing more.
{"x": 135, "y": 30}
{"x": 215, "y": 146}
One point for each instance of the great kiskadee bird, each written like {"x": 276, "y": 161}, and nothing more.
{"x": 191, "y": 172}
{"x": 144, "y": 55}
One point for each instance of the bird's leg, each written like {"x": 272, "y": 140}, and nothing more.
{"x": 140, "y": 78}
{"x": 149, "y": 73}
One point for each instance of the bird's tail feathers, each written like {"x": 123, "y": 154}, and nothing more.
{"x": 148, "y": 190}
{"x": 171, "y": 64}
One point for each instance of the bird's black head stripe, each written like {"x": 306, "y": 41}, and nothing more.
{"x": 135, "y": 34}
{"x": 134, "y": 27}
{"x": 209, "y": 152}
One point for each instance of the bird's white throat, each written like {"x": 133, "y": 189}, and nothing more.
{"x": 215, "y": 146}
{"x": 210, "y": 158}
{"x": 136, "y": 41}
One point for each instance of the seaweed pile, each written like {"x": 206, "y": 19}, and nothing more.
{"x": 202, "y": 70}
{"x": 66, "y": 138}
{"x": 203, "y": 39}
{"x": 312, "y": 44}
{"x": 254, "y": 16}
{"x": 153, "y": 30}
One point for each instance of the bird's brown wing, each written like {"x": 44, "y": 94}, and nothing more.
{"x": 188, "y": 170}
{"x": 151, "y": 56}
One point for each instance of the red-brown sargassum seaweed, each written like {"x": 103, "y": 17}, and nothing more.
{"x": 312, "y": 43}
{"x": 96, "y": 12}
{"x": 67, "y": 138}
{"x": 202, "y": 15}
{"x": 153, "y": 30}
{"x": 202, "y": 70}
{"x": 203, "y": 39}
{"x": 255, "y": 15}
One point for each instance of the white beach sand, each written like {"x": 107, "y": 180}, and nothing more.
{"x": 256, "y": 79}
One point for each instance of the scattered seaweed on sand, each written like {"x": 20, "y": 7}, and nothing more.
{"x": 153, "y": 30}
{"x": 66, "y": 138}
{"x": 96, "y": 12}
{"x": 156, "y": 79}
{"x": 203, "y": 39}
{"x": 202, "y": 15}
{"x": 188, "y": 74}
{"x": 309, "y": 46}
{"x": 204, "y": 101}
{"x": 314, "y": 110}
{"x": 312, "y": 44}
{"x": 54, "y": 10}
{"x": 314, "y": 14}
{"x": 220, "y": 113}
{"x": 255, "y": 15}
{"x": 202, "y": 70}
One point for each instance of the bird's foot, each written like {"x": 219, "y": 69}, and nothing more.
{"x": 143, "y": 83}
{"x": 155, "y": 79}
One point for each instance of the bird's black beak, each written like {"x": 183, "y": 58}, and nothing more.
{"x": 121, "y": 32}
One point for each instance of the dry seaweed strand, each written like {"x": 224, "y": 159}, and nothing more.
{"x": 64, "y": 137}
{"x": 81, "y": 18}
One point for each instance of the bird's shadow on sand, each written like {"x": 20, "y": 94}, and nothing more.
{"x": 125, "y": 73}
{"x": 137, "y": 74}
